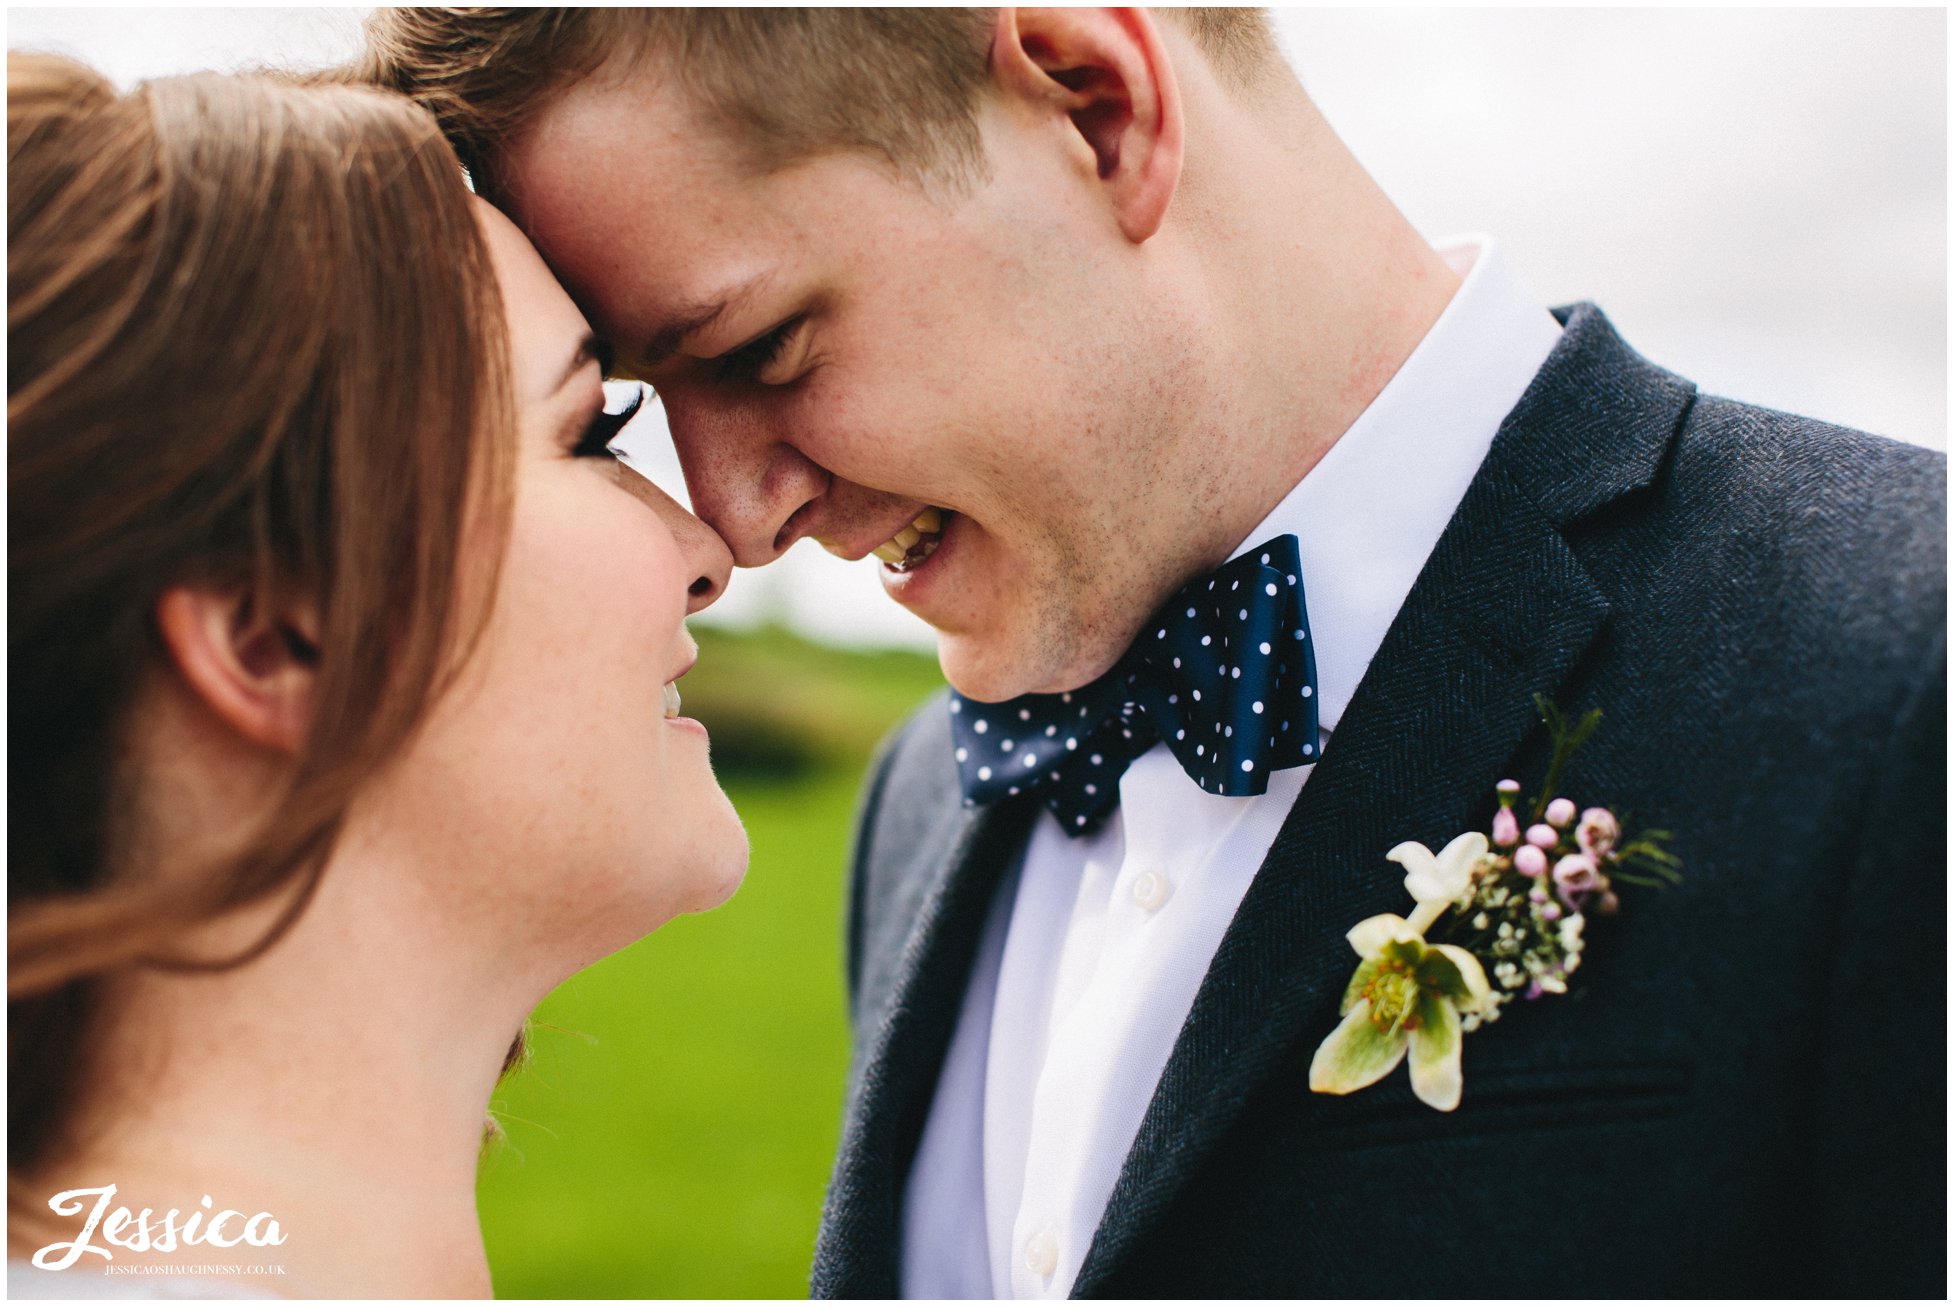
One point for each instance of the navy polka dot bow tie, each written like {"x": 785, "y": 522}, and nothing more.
{"x": 1224, "y": 673}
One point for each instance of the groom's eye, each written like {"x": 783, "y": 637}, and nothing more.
{"x": 603, "y": 429}
{"x": 750, "y": 361}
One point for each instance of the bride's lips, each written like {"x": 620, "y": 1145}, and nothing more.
{"x": 672, "y": 717}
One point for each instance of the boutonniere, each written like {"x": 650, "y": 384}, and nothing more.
{"x": 1499, "y": 916}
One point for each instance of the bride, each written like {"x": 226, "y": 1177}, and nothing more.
{"x": 342, "y": 661}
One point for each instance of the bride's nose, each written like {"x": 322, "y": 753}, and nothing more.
{"x": 708, "y": 562}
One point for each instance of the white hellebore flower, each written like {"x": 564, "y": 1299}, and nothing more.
{"x": 1406, "y": 995}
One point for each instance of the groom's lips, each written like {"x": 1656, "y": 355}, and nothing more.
{"x": 913, "y": 585}
{"x": 900, "y": 546}
{"x": 910, "y": 547}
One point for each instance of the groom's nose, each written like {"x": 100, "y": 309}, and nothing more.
{"x": 756, "y": 491}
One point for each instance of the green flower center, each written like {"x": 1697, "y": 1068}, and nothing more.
{"x": 1393, "y": 993}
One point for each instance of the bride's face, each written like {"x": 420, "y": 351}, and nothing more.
{"x": 552, "y": 789}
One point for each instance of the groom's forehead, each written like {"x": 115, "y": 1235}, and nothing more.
{"x": 618, "y": 192}
{"x": 638, "y": 135}
{"x": 783, "y": 83}
{"x": 659, "y": 233}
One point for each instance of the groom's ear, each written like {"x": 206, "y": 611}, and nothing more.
{"x": 253, "y": 668}
{"x": 1107, "y": 73}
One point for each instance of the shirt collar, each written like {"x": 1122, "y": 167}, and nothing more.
{"x": 1369, "y": 513}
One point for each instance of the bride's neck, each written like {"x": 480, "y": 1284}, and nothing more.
{"x": 339, "y": 1083}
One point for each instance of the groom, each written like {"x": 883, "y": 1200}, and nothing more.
{"x": 1059, "y": 311}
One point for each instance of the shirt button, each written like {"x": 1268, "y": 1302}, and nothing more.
{"x": 1041, "y": 1253}
{"x": 1151, "y": 890}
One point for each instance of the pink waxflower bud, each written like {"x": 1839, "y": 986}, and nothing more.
{"x": 1544, "y": 836}
{"x": 1576, "y": 873}
{"x": 1508, "y": 791}
{"x": 1506, "y": 828}
{"x": 1597, "y": 832}
{"x": 1536, "y": 895}
{"x": 1530, "y": 861}
{"x": 1560, "y": 813}
{"x": 1550, "y": 912}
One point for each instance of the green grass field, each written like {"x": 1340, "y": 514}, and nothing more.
{"x": 673, "y": 1131}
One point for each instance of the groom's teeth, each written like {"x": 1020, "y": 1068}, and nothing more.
{"x": 915, "y": 542}
{"x": 671, "y": 699}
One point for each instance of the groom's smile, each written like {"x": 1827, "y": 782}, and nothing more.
{"x": 976, "y": 385}
{"x": 912, "y": 546}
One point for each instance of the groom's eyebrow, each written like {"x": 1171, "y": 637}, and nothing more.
{"x": 690, "y": 319}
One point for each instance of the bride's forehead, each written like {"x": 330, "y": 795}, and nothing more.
{"x": 540, "y": 311}
{"x": 546, "y": 331}
{"x": 515, "y": 259}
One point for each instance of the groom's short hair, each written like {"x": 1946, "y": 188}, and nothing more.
{"x": 787, "y": 83}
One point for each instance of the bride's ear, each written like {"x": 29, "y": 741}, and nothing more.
{"x": 254, "y": 669}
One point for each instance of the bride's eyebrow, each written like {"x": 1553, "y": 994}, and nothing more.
{"x": 587, "y": 349}
{"x": 689, "y": 320}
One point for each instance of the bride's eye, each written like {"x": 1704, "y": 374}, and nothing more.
{"x": 597, "y": 437}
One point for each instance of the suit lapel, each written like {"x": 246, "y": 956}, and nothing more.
{"x": 952, "y": 879}
{"x": 1502, "y": 610}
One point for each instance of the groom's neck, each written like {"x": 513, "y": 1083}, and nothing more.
{"x": 1316, "y": 288}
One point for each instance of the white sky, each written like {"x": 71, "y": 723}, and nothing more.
{"x": 1757, "y": 197}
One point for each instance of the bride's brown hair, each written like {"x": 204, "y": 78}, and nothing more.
{"x": 254, "y": 340}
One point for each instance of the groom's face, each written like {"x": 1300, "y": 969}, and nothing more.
{"x": 838, "y": 353}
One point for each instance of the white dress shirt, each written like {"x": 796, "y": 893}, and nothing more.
{"x": 1093, "y": 952}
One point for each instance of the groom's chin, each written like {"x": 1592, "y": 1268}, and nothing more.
{"x": 995, "y": 667}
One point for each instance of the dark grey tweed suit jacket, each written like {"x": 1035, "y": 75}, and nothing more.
{"x": 1745, "y": 1093}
